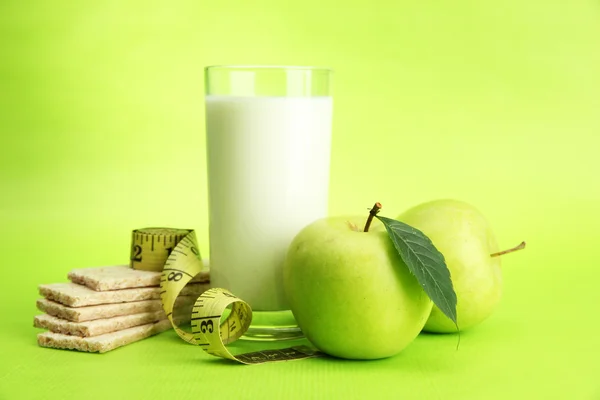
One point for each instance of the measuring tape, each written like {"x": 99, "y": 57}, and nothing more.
{"x": 175, "y": 253}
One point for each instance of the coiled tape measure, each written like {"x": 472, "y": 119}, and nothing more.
{"x": 175, "y": 253}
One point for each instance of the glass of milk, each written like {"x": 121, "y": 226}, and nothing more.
{"x": 268, "y": 131}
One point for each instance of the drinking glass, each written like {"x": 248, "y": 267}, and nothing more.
{"x": 268, "y": 132}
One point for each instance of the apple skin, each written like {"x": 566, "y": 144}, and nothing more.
{"x": 350, "y": 292}
{"x": 463, "y": 235}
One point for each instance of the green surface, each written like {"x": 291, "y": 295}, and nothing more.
{"x": 495, "y": 103}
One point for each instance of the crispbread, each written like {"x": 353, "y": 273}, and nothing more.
{"x": 102, "y": 343}
{"x": 89, "y": 313}
{"x": 113, "y": 278}
{"x": 121, "y": 277}
{"x": 96, "y": 327}
{"x": 74, "y": 295}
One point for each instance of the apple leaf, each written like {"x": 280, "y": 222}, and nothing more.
{"x": 425, "y": 262}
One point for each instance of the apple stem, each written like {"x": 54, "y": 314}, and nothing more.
{"x": 372, "y": 214}
{"x": 516, "y": 248}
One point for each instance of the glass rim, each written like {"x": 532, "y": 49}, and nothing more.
{"x": 269, "y": 67}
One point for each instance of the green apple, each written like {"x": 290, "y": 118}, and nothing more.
{"x": 350, "y": 292}
{"x": 462, "y": 234}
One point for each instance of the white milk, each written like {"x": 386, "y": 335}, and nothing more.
{"x": 268, "y": 165}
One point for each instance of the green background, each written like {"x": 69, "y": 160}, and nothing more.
{"x": 495, "y": 103}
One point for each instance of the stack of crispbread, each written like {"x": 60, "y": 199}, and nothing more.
{"x": 108, "y": 307}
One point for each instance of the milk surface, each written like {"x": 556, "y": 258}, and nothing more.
{"x": 268, "y": 165}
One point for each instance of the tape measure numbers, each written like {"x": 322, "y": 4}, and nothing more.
{"x": 150, "y": 247}
{"x": 175, "y": 253}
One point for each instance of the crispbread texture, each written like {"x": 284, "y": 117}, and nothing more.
{"x": 96, "y": 327}
{"x": 114, "y": 278}
{"x": 75, "y": 295}
{"x": 183, "y": 304}
{"x": 89, "y": 313}
{"x": 121, "y": 277}
{"x": 102, "y": 343}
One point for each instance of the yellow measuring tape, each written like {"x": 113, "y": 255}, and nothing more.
{"x": 175, "y": 253}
